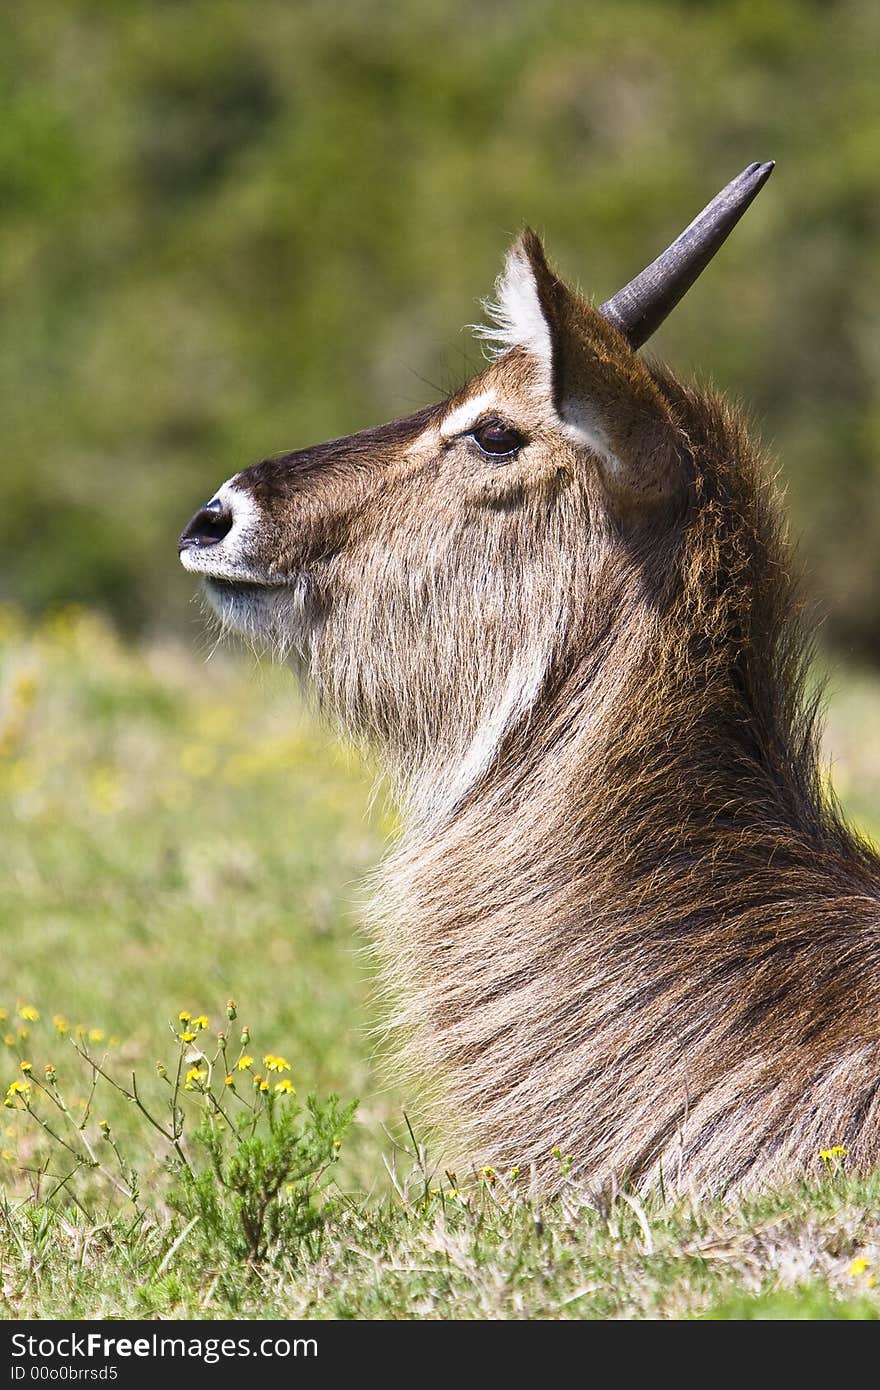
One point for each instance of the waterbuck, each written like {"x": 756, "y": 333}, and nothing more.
{"x": 623, "y": 918}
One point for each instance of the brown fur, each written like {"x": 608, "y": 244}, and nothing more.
{"x": 622, "y": 917}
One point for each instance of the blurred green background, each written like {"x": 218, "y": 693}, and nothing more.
{"x": 229, "y": 229}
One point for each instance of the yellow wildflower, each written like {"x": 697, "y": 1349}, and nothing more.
{"x": 260, "y": 1082}
{"x": 9, "y": 1039}
{"x": 285, "y": 1087}
{"x": 25, "y": 1066}
{"x": 61, "y": 1024}
{"x": 3, "y": 1015}
{"x": 7, "y": 1155}
{"x": 245, "y": 1063}
{"x": 105, "y": 790}
{"x": 198, "y": 761}
{"x": 275, "y": 1063}
{"x": 230, "y": 1080}
{"x": 200, "y": 1022}
{"x": 184, "y": 1016}
{"x": 836, "y": 1151}
{"x": 17, "y": 1088}
{"x": 96, "y": 1035}
{"x": 187, "y": 1037}
{"x": 25, "y": 689}
{"x": 194, "y": 1078}
{"x": 28, "y": 1013}
{"x": 859, "y": 1266}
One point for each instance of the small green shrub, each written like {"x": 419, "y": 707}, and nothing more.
{"x": 258, "y": 1190}
{"x": 246, "y": 1166}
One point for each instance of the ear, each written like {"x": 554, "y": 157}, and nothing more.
{"x": 606, "y": 398}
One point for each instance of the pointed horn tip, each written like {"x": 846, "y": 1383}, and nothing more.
{"x": 747, "y": 185}
{"x": 760, "y": 172}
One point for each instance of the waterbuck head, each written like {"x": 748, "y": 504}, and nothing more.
{"x": 433, "y": 575}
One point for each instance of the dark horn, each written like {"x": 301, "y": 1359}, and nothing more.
{"x": 641, "y": 306}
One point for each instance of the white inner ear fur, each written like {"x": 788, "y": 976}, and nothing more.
{"x": 516, "y": 319}
{"x": 515, "y": 316}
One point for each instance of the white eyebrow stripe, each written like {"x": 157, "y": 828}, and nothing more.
{"x": 467, "y": 414}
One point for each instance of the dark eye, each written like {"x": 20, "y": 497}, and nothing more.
{"x": 497, "y": 439}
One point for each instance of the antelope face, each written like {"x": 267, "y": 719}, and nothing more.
{"x": 397, "y": 562}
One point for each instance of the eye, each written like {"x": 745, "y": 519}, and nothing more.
{"x": 498, "y": 440}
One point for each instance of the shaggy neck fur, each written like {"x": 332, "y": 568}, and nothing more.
{"x": 645, "y": 936}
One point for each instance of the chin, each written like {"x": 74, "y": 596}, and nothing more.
{"x": 245, "y": 607}
{"x": 270, "y": 615}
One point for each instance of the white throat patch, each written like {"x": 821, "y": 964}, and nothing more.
{"x": 441, "y": 792}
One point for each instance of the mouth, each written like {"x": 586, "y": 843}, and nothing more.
{"x": 245, "y": 588}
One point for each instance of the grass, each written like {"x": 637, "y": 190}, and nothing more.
{"x": 798, "y": 1253}
{"x": 176, "y": 832}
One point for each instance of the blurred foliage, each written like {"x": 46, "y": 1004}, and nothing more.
{"x": 230, "y": 229}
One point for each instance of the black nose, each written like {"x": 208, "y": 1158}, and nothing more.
{"x": 209, "y": 525}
